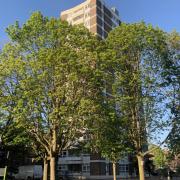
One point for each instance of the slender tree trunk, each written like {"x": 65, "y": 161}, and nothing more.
{"x": 141, "y": 167}
{"x": 45, "y": 171}
{"x": 52, "y": 168}
{"x": 114, "y": 171}
{"x": 53, "y": 155}
{"x": 168, "y": 178}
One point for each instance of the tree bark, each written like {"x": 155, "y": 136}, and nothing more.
{"x": 52, "y": 168}
{"x": 45, "y": 171}
{"x": 53, "y": 155}
{"x": 114, "y": 171}
{"x": 141, "y": 167}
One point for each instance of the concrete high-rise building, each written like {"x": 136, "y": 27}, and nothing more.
{"x": 100, "y": 19}
{"x": 95, "y": 15}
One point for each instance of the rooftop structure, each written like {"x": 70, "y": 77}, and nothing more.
{"x": 95, "y": 15}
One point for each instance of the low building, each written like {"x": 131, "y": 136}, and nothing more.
{"x": 91, "y": 166}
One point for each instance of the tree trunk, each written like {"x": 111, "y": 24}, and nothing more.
{"x": 114, "y": 170}
{"x": 52, "y": 168}
{"x": 168, "y": 178}
{"x": 53, "y": 155}
{"x": 45, "y": 171}
{"x": 141, "y": 167}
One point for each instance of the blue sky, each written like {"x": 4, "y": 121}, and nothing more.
{"x": 162, "y": 13}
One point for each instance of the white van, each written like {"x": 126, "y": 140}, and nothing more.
{"x": 30, "y": 172}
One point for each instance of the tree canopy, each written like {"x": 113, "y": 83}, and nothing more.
{"x": 173, "y": 80}
{"x": 138, "y": 52}
{"x": 58, "y": 82}
{"x": 50, "y": 82}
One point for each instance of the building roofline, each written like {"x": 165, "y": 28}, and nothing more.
{"x": 75, "y": 7}
{"x": 86, "y": 2}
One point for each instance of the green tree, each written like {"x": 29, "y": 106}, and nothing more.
{"x": 137, "y": 52}
{"x": 111, "y": 138}
{"x": 173, "y": 80}
{"x": 160, "y": 158}
{"x": 53, "y": 69}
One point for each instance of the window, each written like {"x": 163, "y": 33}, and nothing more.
{"x": 123, "y": 168}
{"x": 107, "y": 167}
{"x": 86, "y": 168}
{"x": 62, "y": 167}
{"x": 86, "y": 15}
{"x": 63, "y": 154}
{"x": 99, "y": 4}
{"x": 87, "y": 23}
{"x": 99, "y": 21}
{"x": 75, "y": 168}
{"x": 78, "y": 17}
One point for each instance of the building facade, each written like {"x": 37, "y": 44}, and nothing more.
{"x": 99, "y": 19}
{"x": 95, "y": 15}
{"x": 91, "y": 166}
